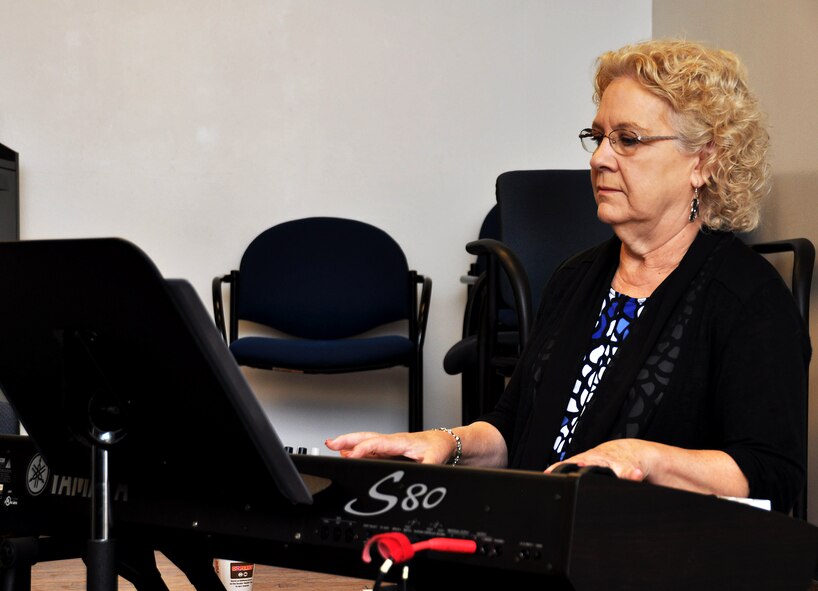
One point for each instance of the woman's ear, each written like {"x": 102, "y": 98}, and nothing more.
{"x": 701, "y": 173}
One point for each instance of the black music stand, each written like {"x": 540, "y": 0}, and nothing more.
{"x": 120, "y": 374}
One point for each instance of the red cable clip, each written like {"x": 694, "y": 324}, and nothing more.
{"x": 453, "y": 545}
{"x": 396, "y": 546}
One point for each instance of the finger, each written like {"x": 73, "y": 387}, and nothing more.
{"x": 349, "y": 440}
{"x": 556, "y": 465}
{"x": 382, "y": 446}
{"x": 631, "y": 473}
{"x": 623, "y": 470}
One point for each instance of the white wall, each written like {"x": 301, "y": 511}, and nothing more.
{"x": 189, "y": 126}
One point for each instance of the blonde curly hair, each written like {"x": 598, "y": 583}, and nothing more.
{"x": 714, "y": 111}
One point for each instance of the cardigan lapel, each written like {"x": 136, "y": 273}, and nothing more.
{"x": 571, "y": 326}
{"x": 604, "y": 408}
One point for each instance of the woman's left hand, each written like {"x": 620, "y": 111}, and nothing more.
{"x": 708, "y": 471}
{"x": 630, "y": 459}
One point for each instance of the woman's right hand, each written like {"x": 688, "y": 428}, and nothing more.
{"x": 426, "y": 447}
{"x": 483, "y": 445}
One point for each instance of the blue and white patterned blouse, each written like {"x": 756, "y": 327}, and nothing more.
{"x": 612, "y": 327}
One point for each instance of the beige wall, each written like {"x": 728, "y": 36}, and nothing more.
{"x": 777, "y": 41}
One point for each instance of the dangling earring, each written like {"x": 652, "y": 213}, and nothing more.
{"x": 694, "y": 205}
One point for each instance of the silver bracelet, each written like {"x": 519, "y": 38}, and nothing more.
{"x": 458, "y": 452}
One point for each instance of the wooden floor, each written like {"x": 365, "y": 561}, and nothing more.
{"x": 69, "y": 575}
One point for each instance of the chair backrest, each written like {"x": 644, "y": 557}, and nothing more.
{"x": 547, "y": 216}
{"x": 323, "y": 278}
{"x": 803, "y": 253}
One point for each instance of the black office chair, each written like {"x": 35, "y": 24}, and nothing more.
{"x": 546, "y": 216}
{"x": 803, "y": 261}
{"x": 324, "y": 282}
{"x": 461, "y": 358}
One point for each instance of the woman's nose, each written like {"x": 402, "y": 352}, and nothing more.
{"x": 604, "y": 156}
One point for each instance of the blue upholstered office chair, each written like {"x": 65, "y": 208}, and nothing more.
{"x": 324, "y": 282}
{"x": 545, "y": 217}
{"x": 803, "y": 261}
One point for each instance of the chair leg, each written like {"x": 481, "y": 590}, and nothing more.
{"x": 799, "y": 510}
{"x": 496, "y": 388}
{"x": 469, "y": 395}
{"x": 487, "y": 391}
{"x": 416, "y": 395}
{"x": 484, "y": 387}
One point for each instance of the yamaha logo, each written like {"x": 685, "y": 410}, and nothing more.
{"x": 36, "y": 475}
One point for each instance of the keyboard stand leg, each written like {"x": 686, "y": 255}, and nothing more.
{"x": 197, "y": 564}
{"x": 15, "y": 578}
{"x": 17, "y": 556}
{"x": 137, "y": 564}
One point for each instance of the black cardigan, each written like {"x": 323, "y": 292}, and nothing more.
{"x": 717, "y": 360}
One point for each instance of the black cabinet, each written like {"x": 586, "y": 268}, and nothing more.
{"x": 9, "y": 194}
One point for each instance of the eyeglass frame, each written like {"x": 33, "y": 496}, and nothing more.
{"x": 640, "y": 139}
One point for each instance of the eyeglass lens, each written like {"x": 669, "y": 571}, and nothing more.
{"x": 622, "y": 140}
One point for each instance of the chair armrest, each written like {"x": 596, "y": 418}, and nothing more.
{"x": 473, "y": 303}
{"x": 423, "y": 307}
{"x": 517, "y": 276}
{"x": 218, "y": 303}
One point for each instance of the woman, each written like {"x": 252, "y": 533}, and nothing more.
{"x": 695, "y": 372}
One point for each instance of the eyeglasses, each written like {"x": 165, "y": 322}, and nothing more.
{"x": 623, "y": 141}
